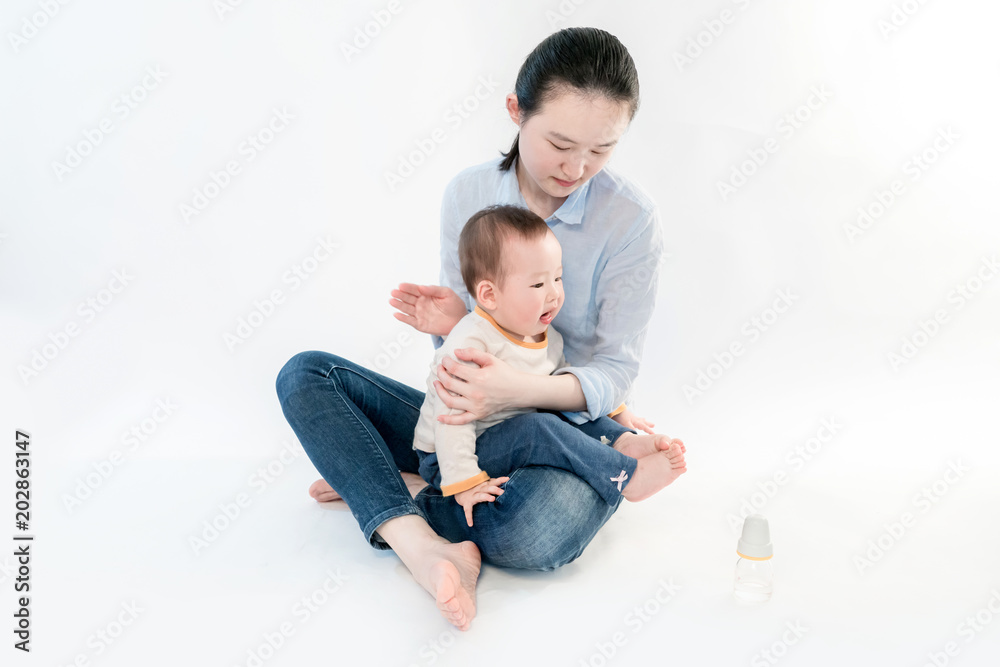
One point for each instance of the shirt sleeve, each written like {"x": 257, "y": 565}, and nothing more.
{"x": 562, "y": 363}
{"x": 451, "y": 274}
{"x": 625, "y": 297}
{"x": 456, "y": 444}
{"x": 456, "y": 451}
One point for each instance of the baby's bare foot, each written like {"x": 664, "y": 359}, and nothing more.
{"x": 638, "y": 445}
{"x": 655, "y": 472}
{"x": 449, "y": 573}
{"x": 324, "y": 493}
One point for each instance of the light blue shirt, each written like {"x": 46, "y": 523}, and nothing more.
{"x": 612, "y": 246}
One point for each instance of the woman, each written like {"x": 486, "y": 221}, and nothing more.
{"x": 574, "y": 98}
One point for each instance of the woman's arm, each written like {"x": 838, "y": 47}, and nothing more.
{"x": 552, "y": 392}
{"x": 625, "y": 296}
{"x": 507, "y": 388}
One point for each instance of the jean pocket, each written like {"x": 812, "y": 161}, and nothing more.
{"x": 506, "y": 485}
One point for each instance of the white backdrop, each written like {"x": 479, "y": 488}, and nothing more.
{"x": 193, "y": 192}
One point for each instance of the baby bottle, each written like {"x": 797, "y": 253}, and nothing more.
{"x": 754, "y": 573}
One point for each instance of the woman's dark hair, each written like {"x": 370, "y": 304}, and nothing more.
{"x": 590, "y": 60}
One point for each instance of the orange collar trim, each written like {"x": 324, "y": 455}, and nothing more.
{"x": 544, "y": 342}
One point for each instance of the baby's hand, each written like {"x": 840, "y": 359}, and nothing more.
{"x": 629, "y": 419}
{"x": 487, "y": 491}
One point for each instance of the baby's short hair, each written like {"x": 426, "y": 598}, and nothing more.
{"x": 480, "y": 246}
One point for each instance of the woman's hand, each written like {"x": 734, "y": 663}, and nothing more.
{"x": 629, "y": 419}
{"x": 481, "y": 390}
{"x": 485, "y": 492}
{"x": 428, "y": 308}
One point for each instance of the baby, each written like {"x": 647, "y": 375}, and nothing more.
{"x": 511, "y": 263}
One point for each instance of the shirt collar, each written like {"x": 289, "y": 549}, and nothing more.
{"x": 570, "y": 212}
{"x": 531, "y": 345}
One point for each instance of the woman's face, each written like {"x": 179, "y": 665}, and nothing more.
{"x": 567, "y": 142}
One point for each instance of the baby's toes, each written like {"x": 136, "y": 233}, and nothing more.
{"x": 663, "y": 442}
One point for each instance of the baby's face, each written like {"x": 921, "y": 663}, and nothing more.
{"x": 532, "y": 292}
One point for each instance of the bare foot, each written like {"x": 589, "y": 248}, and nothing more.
{"x": 655, "y": 472}
{"x": 324, "y": 493}
{"x": 638, "y": 445}
{"x": 449, "y": 573}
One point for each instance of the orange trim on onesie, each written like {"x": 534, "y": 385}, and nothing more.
{"x": 620, "y": 409}
{"x": 458, "y": 487}
{"x": 534, "y": 346}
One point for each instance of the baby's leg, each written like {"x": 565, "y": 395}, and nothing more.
{"x": 638, "y": 445}
{"x": 655, "y": 472}
{"x": 544, "y": 439}
{"x": 553, "y": 442}
{"x": 630, "y": 443}
{"x": 640, "y": 465}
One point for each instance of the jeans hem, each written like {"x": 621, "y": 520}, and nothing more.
{"x": 628, "y": 430}
{"x": 376, "y": 541}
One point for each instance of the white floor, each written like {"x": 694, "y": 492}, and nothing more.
{"x": 151, "y": 405}
{"x": 657, "y": 579}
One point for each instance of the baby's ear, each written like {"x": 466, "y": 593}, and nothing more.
{"x": 486, "y": 295}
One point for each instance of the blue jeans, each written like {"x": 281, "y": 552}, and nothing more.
{"x": 506, "y": 446}
{"x": 357, "y": 427}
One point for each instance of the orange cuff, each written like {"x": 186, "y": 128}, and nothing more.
{"x": 618, "y": 410}
{"x": 458, "y": 487}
